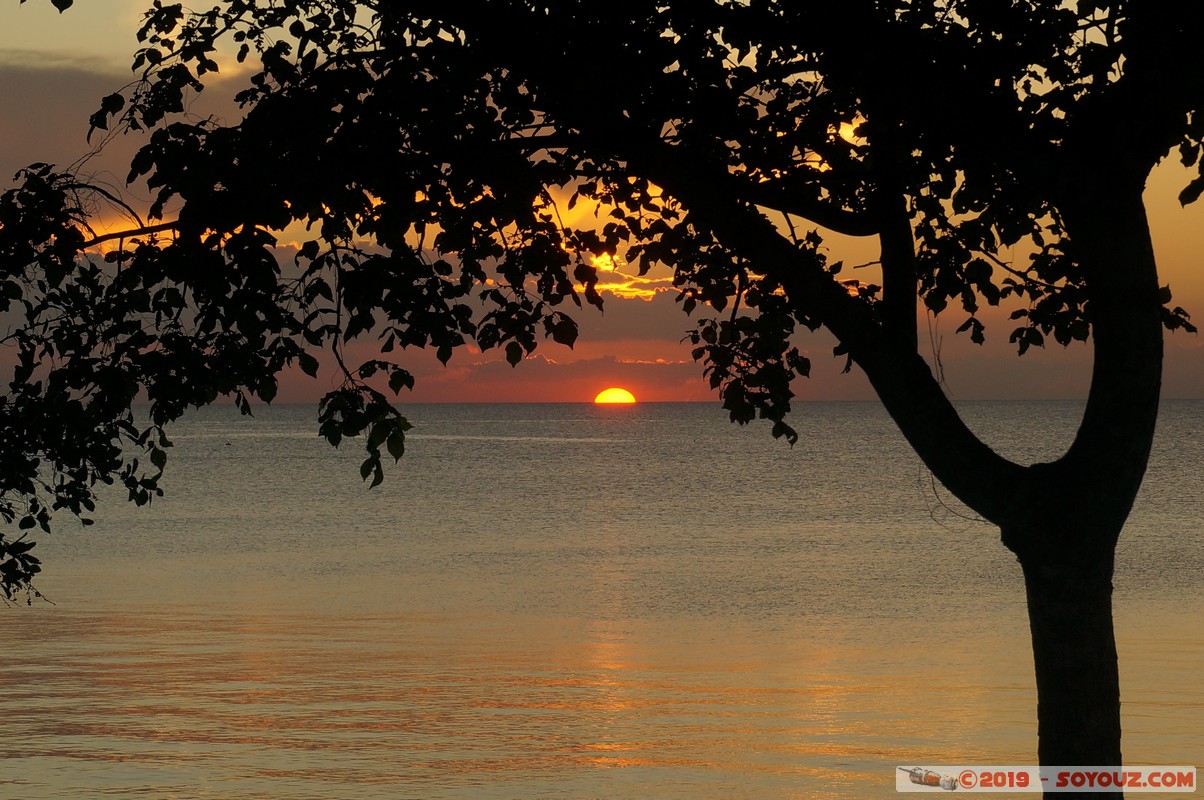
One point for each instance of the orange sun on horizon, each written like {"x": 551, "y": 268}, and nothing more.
{"x": 614, "y": 395}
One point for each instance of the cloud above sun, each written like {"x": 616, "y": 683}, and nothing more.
{"x": 618, "y": 278}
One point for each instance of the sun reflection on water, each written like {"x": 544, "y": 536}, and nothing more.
{"x": 620, "y": 639}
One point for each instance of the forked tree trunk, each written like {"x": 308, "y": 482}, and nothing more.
{"x": 1065, "y": 531}
{"x": 1062, "y": 519}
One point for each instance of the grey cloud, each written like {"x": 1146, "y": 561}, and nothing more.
{"x": 44, "y": 110}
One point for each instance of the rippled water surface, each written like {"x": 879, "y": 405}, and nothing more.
{"x": 570, "y": 602}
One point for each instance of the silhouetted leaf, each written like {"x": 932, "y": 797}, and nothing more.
{"x": 308, "y": 364}
{"x": 514, "y": 353}
{"x": 1192, "y": 191}
{"x": 400, "y": 379}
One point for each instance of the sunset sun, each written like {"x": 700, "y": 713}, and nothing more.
{"x": 614, "y": 395}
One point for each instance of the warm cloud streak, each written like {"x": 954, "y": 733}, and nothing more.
{"x": 617, "y": 278}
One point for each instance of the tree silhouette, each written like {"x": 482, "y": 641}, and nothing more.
{"x": 430, "y": 149}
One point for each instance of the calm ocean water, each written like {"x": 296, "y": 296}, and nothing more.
{"x": 570, "y": 601}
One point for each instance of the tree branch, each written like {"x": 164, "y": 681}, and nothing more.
{"x": 963, "y": 463}
{"x": 900, "y": 289}
{"x": 791, "y": 200}
{"x": 112, "y": 198}
{"x": 146, "y": 230}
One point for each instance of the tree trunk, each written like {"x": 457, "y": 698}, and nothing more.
{"x": 1074, "y": 653}
{"x": 1062, "y": 519}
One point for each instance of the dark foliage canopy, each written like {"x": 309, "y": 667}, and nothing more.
{"x": 430, "y": 150}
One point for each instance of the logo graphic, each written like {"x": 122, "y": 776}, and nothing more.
{"x": 926, "y": 777}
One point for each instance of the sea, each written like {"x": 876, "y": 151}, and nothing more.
{"x": 572, "y": 601}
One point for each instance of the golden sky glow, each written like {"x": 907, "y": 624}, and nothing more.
{"x": 613, "y": 279}
{"x": 54, "y": 69}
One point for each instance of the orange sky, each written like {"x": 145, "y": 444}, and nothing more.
{"x": 55, "y": 68}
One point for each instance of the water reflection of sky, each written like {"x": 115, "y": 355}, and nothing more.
{"x": 661, "y": 624}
